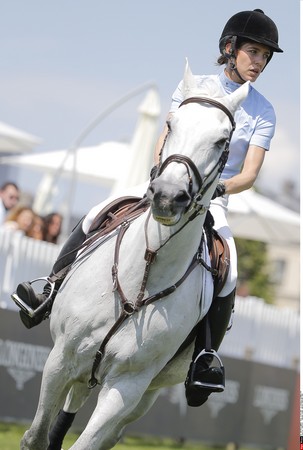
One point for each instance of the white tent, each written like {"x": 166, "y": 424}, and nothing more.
{"x": 114, "y": 165}
{"x": 13, "y": 140}
{"x": 101, "y": 164}
{"x": 141, "y": 152}
{"x": 253, "y": 216}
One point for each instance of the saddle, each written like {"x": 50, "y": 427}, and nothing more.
{"x": 219, "y": 254}
{"x": 117, "y": 212}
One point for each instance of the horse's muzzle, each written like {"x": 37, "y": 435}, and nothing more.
{"x": 168, "y": 201}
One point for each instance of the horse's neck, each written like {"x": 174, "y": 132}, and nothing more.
{"x": 186, "y": 234}
{"x": 175, "y": 246}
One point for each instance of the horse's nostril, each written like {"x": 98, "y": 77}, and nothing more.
{"x": 182, "y": 197}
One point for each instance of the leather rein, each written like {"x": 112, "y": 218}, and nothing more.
{"x": 129, "y": 307}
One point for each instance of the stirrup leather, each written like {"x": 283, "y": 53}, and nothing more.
{"x": 26, "y": 308}
{"x": 213, "y": 386}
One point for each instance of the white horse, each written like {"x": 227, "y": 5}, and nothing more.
{"x": 137, "y": 359}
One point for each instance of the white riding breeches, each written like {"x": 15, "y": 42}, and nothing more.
{"x": 218, "y": 209}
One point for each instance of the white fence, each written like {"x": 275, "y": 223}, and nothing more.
{"x": 261, "y": 332}
{"x": 22, "y": 259}
{"x": 264, "y": 334}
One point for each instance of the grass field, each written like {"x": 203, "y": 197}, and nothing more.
{"x": 10, "y": 436}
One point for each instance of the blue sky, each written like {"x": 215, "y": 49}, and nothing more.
{"x": 62, "y": 62}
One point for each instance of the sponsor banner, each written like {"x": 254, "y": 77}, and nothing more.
{"x": 255, "y": 408}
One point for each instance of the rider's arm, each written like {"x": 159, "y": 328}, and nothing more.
{"x": 251, "y": 167}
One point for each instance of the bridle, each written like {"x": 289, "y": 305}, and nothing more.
{"x": 205, "y": 182}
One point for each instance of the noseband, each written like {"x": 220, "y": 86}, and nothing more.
{"x": 205, "y": 182}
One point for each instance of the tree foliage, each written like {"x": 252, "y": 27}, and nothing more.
{"x": 253, "y": 268}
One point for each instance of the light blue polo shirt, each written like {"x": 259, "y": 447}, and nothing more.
{"x": 255, "y": 121}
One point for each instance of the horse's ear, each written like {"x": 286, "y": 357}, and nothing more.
{"x": 189, "y": 81}
{"x": 238, "y": 96}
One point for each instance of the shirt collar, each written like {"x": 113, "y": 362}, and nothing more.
{"x": 228, "y": 85}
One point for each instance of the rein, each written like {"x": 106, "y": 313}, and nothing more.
{"x": 129, "y": 307}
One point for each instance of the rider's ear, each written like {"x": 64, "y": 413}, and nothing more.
{"x": 228, "y": 48}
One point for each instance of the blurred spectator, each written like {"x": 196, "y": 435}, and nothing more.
{"x": 19, "y": 218}
{"x": 37, "y": 229}
{"x": 9, "y": 197}
{"x": 53, "y": 223}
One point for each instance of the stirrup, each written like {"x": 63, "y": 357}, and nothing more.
{"x": 26, "y": 308}
{"x": 213, "y": 386}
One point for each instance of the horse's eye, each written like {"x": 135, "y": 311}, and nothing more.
{"x": 220, "y": 142}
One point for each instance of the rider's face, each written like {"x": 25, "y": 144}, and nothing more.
{"x": 251, "y": 59}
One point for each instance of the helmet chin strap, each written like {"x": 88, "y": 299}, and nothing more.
{"x": 232, "y": 58}
{"x": 233, "y": 67}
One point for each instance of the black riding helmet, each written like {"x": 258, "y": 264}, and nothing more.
{"x": 251, "y": 25}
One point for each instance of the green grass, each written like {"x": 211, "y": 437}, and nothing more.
{"x": 11, "y": 434}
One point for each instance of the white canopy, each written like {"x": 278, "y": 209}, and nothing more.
{"x": 13, "y": 140}
{"x": 114, "y": 165}
{"x": 253, "y": 216}
{"x": 101, "y": 164}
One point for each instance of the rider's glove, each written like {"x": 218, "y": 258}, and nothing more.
{"x": 220, "y": 190}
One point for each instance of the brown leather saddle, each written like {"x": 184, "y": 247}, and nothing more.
{"x": 129, "y": 207}
{"x": 116, "y": 212}
{"x": 219, "y": 254}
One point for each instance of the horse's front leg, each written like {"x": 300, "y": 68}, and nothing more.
{"x": 116, "y": 403}
{"x": 54, "y": 388}
{"x": 76, "y": 397}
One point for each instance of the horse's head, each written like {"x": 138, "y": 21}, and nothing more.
{"x": 195, "y": 150}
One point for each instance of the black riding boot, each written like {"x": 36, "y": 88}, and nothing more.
{"x": 25, "y": 296}
{"x": 205, "y": 375}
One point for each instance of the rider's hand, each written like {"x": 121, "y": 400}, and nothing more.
{"x": 220, "y": 190}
